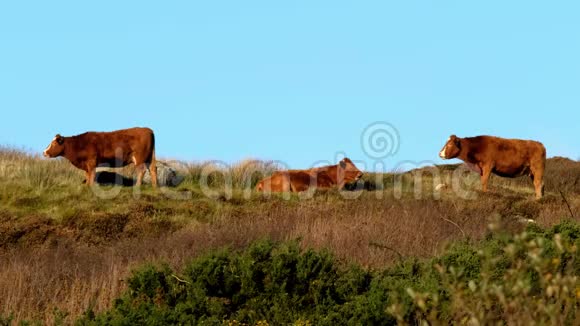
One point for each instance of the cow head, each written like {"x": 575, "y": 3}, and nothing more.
{"x": 55, "y": 148}
{"x": 451, "y": 149}
{"x": 349, "y": 171}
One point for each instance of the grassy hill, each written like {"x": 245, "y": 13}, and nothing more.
{"x": 65, "y": 247}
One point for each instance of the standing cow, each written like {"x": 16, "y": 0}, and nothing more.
{"x": 113, "y": 149}
{"x": 504, "y": 157}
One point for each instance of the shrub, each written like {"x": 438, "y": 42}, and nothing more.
{"x": 278, "y": 283}
{"x": 529, "y": 278}
{"x": 532, "y": 280}
{"x": 6, "y": 320}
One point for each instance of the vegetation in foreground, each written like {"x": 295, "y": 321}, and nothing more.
{"x": 64, "y": 250}
{"x": 528, "y": 279}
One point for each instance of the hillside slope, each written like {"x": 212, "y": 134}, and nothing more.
{"x": 66, "y": 246}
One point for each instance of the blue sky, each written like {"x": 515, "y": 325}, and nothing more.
{"x": 296, "y": 81}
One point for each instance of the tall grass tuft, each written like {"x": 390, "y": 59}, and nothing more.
{"x": 34, "y": 172}
{"x": 242, "y": 175}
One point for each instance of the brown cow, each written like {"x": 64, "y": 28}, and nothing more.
{"x": 504, "y": 157}
{"x": 301, "y": 180}
{"x": 113, "y": 149}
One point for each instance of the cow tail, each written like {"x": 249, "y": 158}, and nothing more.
{"x": 153, "y": 163}
{"x": 544, "y": 151}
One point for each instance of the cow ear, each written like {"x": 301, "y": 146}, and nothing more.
{"x": 342, "y": 164}
{"x": 59, "y": 139}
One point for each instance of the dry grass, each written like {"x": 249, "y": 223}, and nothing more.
{"x": 62, "y": 248}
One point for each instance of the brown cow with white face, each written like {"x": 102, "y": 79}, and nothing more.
{"x": 301, "y": 180}
{"x": 112, "y": 149}
{"x": 504, "y": 157}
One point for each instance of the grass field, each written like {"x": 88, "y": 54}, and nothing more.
{"x": 64, "y": 248}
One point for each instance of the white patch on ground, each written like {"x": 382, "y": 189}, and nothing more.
{"x": 440, "y": 187}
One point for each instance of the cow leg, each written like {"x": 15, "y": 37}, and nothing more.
{"x": 153, "y": 171}
{"x": 140, "y": 168}
{"x": 88, "y": 178}
{"x": 90, "y": 175}
{"x": 90, "y": 172}
{"x": 537, "y": 171}
{"x": 140, "y": 173}
{"x": 538, "y": 180}
{"x": 485, "y": 173}
{"x": 152, "y": 167}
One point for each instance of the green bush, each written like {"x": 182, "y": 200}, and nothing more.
{"x": 279, "y": 283}
{"x": 532, "y": 280}
{"x": 6, "y": 320}
{"x": 529, "y": 278}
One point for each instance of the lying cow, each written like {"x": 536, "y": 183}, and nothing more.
{"x": 301, "y": 180}
{"x": 504, "y": 157}
{"x": 112, "y": 149}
